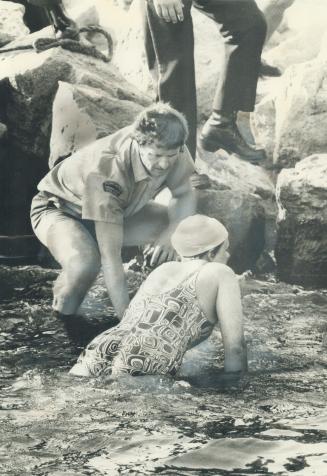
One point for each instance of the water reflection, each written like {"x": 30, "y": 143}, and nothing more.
{"x": 272, "y": 421}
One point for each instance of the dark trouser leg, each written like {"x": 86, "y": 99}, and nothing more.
{"x": 243, "y": 28}
{"x": 170, "y": 54}
{"x": 56, "y": 12}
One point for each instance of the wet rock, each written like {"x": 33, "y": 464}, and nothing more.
{"x": 244, "y": 217}
{"x": 274, "y": 11}
{"x": 82, "y": 114}
{"x": 230, "y": 173}
{"x": 11, "y": 22}
{"x": 299, "y": 40}
{"x": 298, "y": 129}
{"x": 264, "y": 124}
{"x": 301, "y": 250}
{"x": 242, "y": 213}
{"x": 28, "y": 85}
{"x": 30, "y": 82}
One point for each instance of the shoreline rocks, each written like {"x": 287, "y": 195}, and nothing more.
{"x": 301, "y": 249}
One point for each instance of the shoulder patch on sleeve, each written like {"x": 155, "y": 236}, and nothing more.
{"x": 112, "y": 187}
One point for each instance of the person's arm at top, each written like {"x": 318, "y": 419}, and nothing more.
{"x": 110, "y": 239}
{"x": 182, "y": 204}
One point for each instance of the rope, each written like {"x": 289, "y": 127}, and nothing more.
{"x": 43, "y": 44}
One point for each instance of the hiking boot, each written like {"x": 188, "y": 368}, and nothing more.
{"x": 64, "y": 26}
{"x": 227, "y": 136}
{"x": 267, "y": 69}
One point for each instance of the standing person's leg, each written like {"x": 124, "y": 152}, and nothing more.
{"x": 243, "y": 27}
{"x": 64, "y": 26}
{"x": 76, "y": 251}
{"x": 73, "y": 247}
{"x": 169, "y": 50}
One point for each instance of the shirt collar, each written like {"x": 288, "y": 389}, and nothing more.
{"x": 139, "y": 171}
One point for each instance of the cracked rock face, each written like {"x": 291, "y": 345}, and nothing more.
{"x": 11, "y": 22}
{"x": 99, "y": 97}
{"x": 292, "y": 121}
{"x": 301, "y": 251}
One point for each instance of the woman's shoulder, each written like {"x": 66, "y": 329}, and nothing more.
{"x": 165, "y": 270}
{"x": 213, "y": 269}
{"x": 166, "y": 276}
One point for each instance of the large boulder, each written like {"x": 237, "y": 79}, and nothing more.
{"x": 244, "y": 216}
{"x": 300, "y": 38}
{"x": 82, "y": 114}
{"x": 292, "y": 121}
{"x": 227, "y": 172}
{"x": 11, "y": 22}
{"x": 242, "y": 197}
{"x": 301, "y": 250}
{"x": 28, "y": 85}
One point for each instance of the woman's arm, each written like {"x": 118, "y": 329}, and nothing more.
{"x": 230, "y": 316}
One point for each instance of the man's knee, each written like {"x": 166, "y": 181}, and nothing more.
{"x": 83, "y": 268}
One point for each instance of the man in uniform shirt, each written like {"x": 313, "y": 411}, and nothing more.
{"x": 99, "y": 199}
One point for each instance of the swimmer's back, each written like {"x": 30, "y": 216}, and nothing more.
{"x": 169, "y": 275}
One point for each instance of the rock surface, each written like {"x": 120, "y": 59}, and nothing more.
{"x": 82, "y": 114}
{"x": 11, "y": 22}
{"x": 292, "y": 121}
{"x": 244, "y": 217}
{"x": 28, "y": 86}
{"x": 299, "y": 38}
{"x": 240, "y": 178}
{"x": 301, "y": 250}
{"x": 271, "y": 420}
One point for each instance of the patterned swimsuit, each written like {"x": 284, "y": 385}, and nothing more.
{"x": 153, "y": 335}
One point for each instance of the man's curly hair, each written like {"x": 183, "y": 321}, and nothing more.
{"x": 162, "y": 124}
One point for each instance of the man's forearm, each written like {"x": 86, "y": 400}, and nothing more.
{"x": 116, "y": 284}
{"x": 110, "y": 238}
{"x": 181, "y": 207}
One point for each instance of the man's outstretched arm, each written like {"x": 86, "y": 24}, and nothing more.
{"x": 110, "y": 239}
{"x": 182, "y": 204}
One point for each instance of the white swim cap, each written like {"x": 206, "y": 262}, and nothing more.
{"x": 197, "y": 234}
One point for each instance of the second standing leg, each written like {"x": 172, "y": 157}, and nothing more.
{"x": 170, "y": 55}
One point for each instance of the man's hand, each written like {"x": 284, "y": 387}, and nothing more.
{"x": 160, "y": 252}
{"x": 169, "y": 10}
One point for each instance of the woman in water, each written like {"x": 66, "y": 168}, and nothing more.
{"x": 175, "y": 309}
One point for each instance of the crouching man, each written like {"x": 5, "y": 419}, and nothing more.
{"x": 100, "y": 199}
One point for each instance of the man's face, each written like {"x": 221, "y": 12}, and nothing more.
{"x": 157, "y": 159}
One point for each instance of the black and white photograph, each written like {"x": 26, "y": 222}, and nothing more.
{"x": 163, "y": 237}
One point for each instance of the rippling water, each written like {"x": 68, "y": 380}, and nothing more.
{"x": 272, "y": 422}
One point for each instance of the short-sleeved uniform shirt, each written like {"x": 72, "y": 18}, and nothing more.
{"x": 106, "y": 181}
